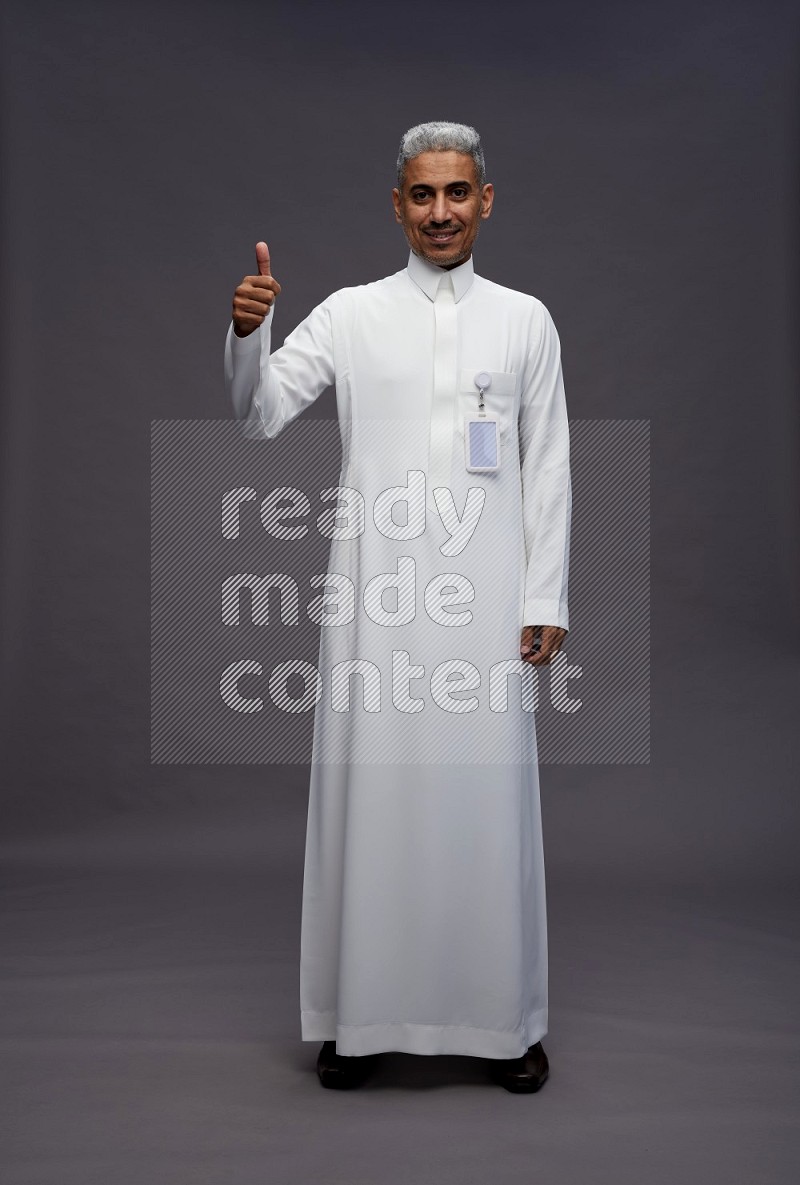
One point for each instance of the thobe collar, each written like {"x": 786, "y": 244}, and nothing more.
{"x": 427, "y": 276}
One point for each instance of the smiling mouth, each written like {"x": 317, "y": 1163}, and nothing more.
{"x": 441, "y": 236}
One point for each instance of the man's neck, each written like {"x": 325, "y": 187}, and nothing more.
{"x": 448, "y": 267}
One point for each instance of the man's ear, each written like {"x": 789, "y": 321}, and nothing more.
{"x": 487, "y": 200}
{"x": 398, "y": 205}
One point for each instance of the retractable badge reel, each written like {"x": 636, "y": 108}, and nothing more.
{"x": 481, "y": 434}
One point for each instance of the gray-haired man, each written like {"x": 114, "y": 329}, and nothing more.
{"x": 424, "y": 922}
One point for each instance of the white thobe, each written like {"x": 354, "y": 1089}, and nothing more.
{"x": 424, "y": 921}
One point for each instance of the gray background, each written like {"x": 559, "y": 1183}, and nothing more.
{"x": 647, "y": 186}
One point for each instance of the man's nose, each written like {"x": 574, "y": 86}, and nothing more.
{"x": 441, "y": 208}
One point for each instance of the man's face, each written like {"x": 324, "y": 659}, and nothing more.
{"x": 441, "y": 206}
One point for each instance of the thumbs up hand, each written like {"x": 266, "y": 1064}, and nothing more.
{"x": 254, "y": 297}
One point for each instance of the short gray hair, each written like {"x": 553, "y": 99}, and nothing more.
{"x": 441, "y": 137}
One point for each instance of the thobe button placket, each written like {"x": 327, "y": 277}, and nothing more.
{"x": 443, "y": 408}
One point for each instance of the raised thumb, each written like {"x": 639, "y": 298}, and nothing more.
{"x": 262, "y": 259}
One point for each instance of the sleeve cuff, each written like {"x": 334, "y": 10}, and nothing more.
{"x": 245, "y": 345}
{"x": 544, "y": 612}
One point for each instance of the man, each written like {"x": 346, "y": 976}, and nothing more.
{"x": 424, "y": 924}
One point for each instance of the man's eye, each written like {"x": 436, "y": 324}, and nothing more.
{"x": 459, "y": 191}
{"x": 420, "y": 195}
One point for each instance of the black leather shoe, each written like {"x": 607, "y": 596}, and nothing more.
{"x": 523, "y": 1075}
{"x": 342, "y": 1073}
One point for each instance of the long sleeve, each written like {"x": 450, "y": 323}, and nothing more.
{"x": 268, "y": 390}
{"x": 546, "y": 480}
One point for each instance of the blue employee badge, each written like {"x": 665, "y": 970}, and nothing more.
{"x": 481, "y": 434}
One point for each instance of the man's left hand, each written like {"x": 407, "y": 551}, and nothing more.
{"x": 540, "y": 644}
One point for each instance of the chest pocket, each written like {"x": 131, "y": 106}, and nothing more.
{"x": 500, "y": 399}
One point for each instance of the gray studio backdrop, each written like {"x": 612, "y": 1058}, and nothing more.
{"x": 645, "y": 184}
{"x": 644, "y": 159}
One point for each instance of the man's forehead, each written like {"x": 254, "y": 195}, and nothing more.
{"x": 441, "y": 168}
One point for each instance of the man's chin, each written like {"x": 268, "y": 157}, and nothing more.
{"x": 444, "y": 258}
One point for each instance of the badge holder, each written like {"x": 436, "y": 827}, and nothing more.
{"x": 481, "y": 434}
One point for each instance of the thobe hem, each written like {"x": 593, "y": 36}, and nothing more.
{"x": 360, "y": 1040}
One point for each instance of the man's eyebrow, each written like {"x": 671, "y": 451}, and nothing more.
{"x": 450, "y": 185}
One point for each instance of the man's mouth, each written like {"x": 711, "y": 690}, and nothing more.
{"x": 441, "y": 236}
